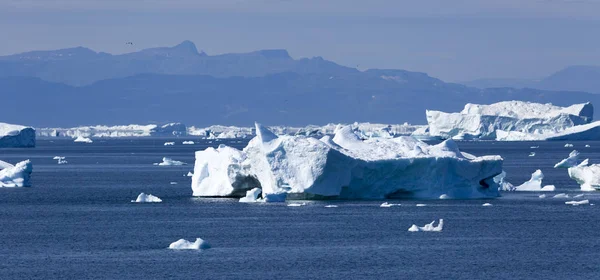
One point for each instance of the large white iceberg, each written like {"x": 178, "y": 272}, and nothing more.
{"x": 183, "y": 244}
{"x": 587, "y": 176}
{"x": 344, "y": 167}
{"x": 16, "y": 136}
{"x": 17, "y": 175}
{"x": 523, "y": 118}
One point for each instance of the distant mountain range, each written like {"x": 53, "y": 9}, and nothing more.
{"x": 78, "y": 86}
{"x": 572, "y": 78}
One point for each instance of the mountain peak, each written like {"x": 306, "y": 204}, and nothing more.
{"x": 186, "y": 46}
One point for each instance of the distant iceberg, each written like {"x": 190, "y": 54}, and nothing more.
{"x": 344, "y": 167}
{"x": 169, "y": 144}
{"x": 183, "y": 244}
{"x": 167, "y": 162}
{"x": 16, "y": 136}
{"x": 188, "y": 143}
{"x": 17, "y": 175}
{"x": 60, "y": 160}
{"x": 142, "y": 198}
{"x": 428, "y": 227}
{"x": 81, "y": 139}
{"x": 582, "y": 202}
{"x": 133, "y": 130}
{"x": 483, "y": 121}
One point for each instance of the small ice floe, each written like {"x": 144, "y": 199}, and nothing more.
{"x": 561, "y": 195}
{"x": 331, "y": 206}
{"x": 142, "y": 198}
{"x": 532, "y": 154}
{"x": 573, "y": 202}
{"x": 548, "y": 188}
{"x": 167, "y": 162}
{"x": 542, "y": 196}
{"x": 568, "y": 145}
{"x": 81, "y": 139}
{"x": 444, "y": 196}
{"x": 579, "y": 196}
{"x": 169, "y": 144}
{"x": 534, "y": 147}
{"x": 421, "y": 205}
{"x": 275, "y": 197}
{"x": 428, "y": 227}
{"x": 60, "y": 160}
{"x": 251, "y": 196}
{"x": 386, "y": 204}
{"x": 535, "y": 183}
{"x": 587, "y": 145}
{"x": 173, "y": 183}
{"x": 190, "y": 174}
{"x": 188, "y": 143}
{"x": 183, "y": 244}
{"x": 296, "y": 204}
{"x": 486, "y": 204}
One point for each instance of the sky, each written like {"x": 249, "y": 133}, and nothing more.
{"x": 455, "y": 41}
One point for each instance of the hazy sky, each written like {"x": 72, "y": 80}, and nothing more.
{"x": 454, "y": 40}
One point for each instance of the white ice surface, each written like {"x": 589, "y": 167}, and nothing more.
{"x": 570, "y": 161}
{"x": 574, "y": 202}
{"x": 534, "y": 184}
{"x": 143, "y": 198}
{"x": 428, "y": 227}
{"x": 16, "y": 136}
{"x": 81, "y": 139}
{"x": 168, "y": 162}
{"x": 183, "y": 244}
{"x": 17, "y": 175}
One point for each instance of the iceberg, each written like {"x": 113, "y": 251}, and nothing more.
{"x": 582, "y": 202}
{"x": 133, "y": 130}
{"x": 183, "y": 244}
{"x": 568, "y": 145}
{"x": 428, "y": 227}
{"x": 524, "y": 118}
{"x": 331, "y": 206}
{"x": 486, "y": 204}
{"x": 534, "y": 184}
{"x": 532, "y": 154}
{"x": 188, "y": 143}
{"x": 503, "y": 185}
{"x": 81, "y": 139}
{"x": 16, "y": 136}
{"x": 190, "y": 174}
{"x": 251, "y": 196}
{"x": 17, "y": 175}
{"x": 570, "y": 161}
{"x": 169, "y": 144}
{"x": 587, "y": 176}
{"x": 561, "y": 195}
{"x": 296, "y": 204}
{"x": 344, "y": 167}
{"x": 60, "y": 160}
{"x": 143, "y": 198}
{"x": 168, "y": 162}
{"x": 387, "y": 204}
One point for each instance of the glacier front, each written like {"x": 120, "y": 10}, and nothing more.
{"x": 518, "y": 117}
{"x": 344, "y": 167}
{"x": 16, "y": 136}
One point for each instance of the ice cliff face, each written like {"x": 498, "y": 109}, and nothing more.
{"x": 483, "y": 121}
{"x": 16, "y": 136}
{"x": 344, "y": 167}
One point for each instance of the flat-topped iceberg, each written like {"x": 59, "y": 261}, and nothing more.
{"x": 590, "y": 131}
{"x": 17, "y": 175}
{"x": 520, "y": 118}
{"x": 344, "y": 167}
{"x": 16, "y": 136}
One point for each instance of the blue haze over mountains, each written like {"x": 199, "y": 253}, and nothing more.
{"x": 78, "y": 86}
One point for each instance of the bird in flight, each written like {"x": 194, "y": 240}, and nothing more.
{"x": 129, "y": 43}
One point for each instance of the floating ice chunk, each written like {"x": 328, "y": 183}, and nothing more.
{"x": 534, "y": 184}
{"x": 579, "y": 196}
{"x": 173, "y": 183}
{"x": 568, "y": 145}
{"x": 190, "y": 174}
{"x": 502, "y": 183}
{"x": 428, "y": 227}
{"x": 60, "y": 160}
{"x": 331, "y": 206}
{"x": 188, "y": 143}
{"x": 146, "y": 198}
{"x": 275, "y": 197}
{"x": 548, "y": 188}
{"x": 587, "y": 145}
{"x": 17, "y": 175}
{"x": 444, "y": 196}
{"x": 587, "y": 176}
{"x": 573, "y": 202}
{"x": 542, "y": 196}
{"x": 251, "y": 196}
{"x": 534, "y": 147}
{"x": 169, "y": 144}
{"x": 81, "y": 139}
{"x": 386, "y": 204}
{"x": 421, "y": 205}
{"x": 486, "y": 204}
{"x": 570, "y": 161}
{"x": 532, "y": 154}
{"x": 183, "y": 244}
{"x": 167, "y": 162}
{"x": 296, "y": 204}
{"x": 561, "y": 195}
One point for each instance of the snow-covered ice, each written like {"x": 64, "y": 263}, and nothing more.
{"x": 60, "y": 160}
{"x": 168, "y": 162}
{"x": 534, "y": 184}
{"x": 16, "y": 136}
{"x": 503, "y": 185}
{"x": 579, "y": 196}
{"x": 548, "y": 188}
{"x": 188, "y": 143}
{"x": 296, "y": 204}
{"x": 331, "y": 206}
{"x": 132, "y": 130}
{"x": 428, "y": 227}
{"x": 183, "y": 244}
{"x": 484, "y": 121}
{"x": 142, "y": 197}
{"x": 421, "y": 205}
{"x": 561, "y": 195}
{"x": 81, "y": 139}
{"x": 587, "y": 176}
{"x": 542, "y": 196}
{"x": 486, "y": 204}
{"x": 17, "y": 175}
{"x": 387, "y": 204}
{"x": 344, "y": 167}
{"x": 169, "y": 144}
{"x": 251, "y": 196}
{"x": 444, "y": 196}
{"x": 570, "y": 161}
{"x": 573, "y": 202}
{"x": 532, "y": 154}
{"x": 568, "y": 145}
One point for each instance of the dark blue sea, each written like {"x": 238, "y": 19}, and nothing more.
{"x": 77, "y": 222}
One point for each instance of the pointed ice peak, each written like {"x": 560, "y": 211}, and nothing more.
{"x": 263, "y": 133}
{"x": 186, "y": 46}
{"x": 346, "y": 137}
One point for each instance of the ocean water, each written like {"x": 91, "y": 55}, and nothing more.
{"x": 77, "y": 222}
